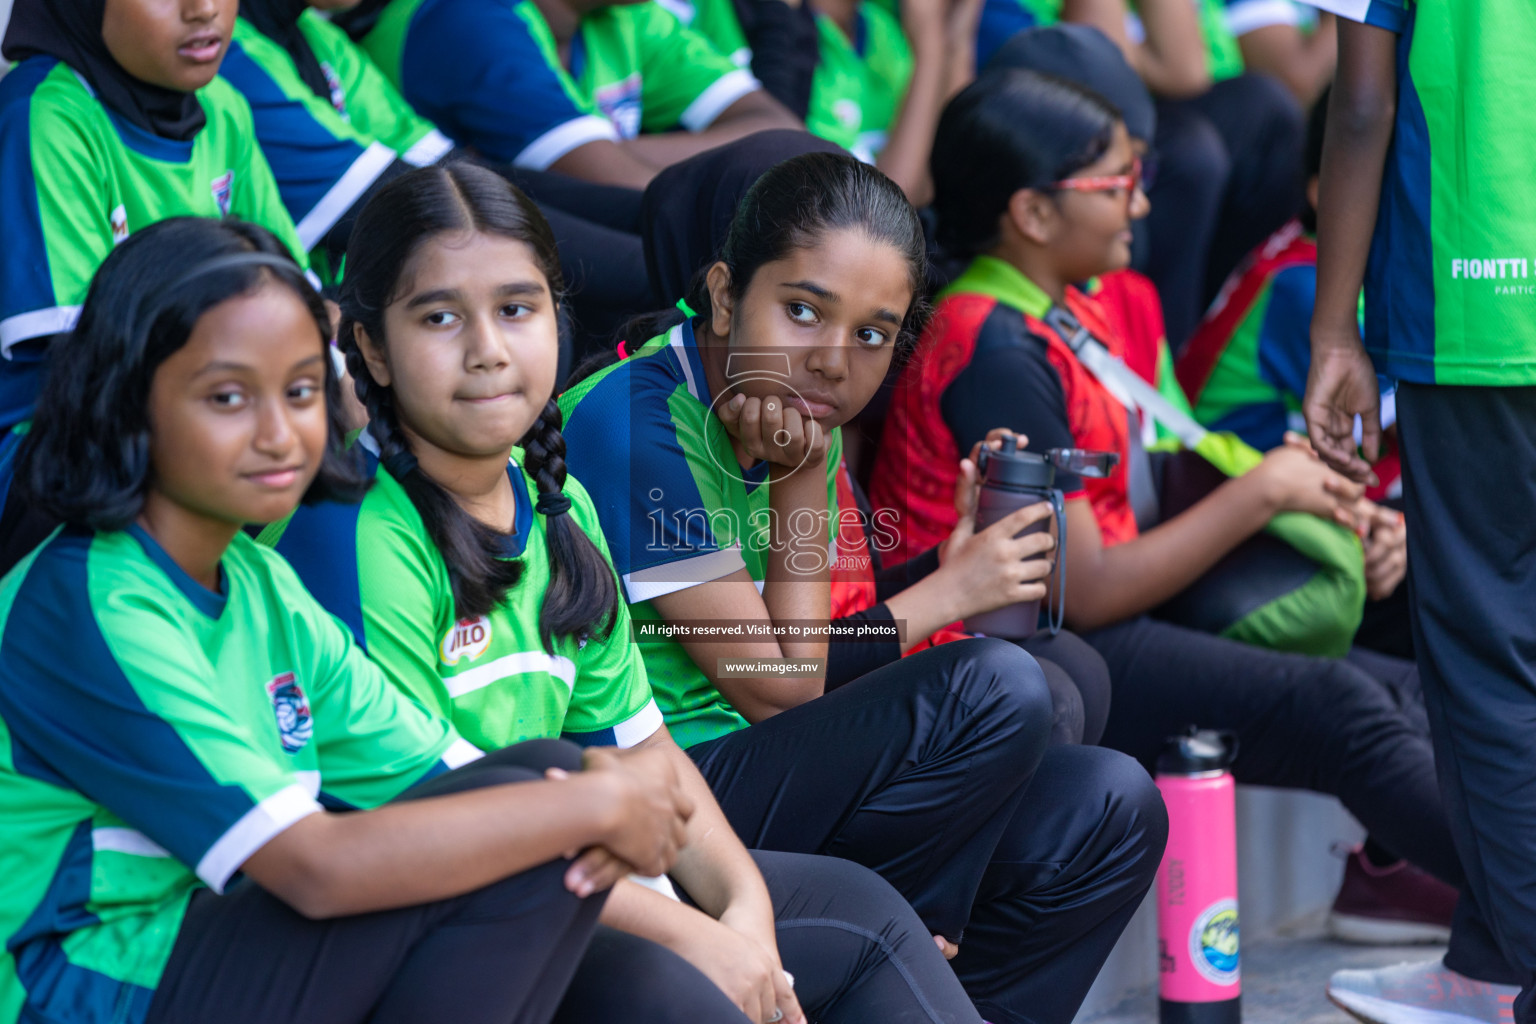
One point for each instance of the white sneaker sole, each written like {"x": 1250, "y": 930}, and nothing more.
{"x": 1375, "y": 1010}
{"x": 1373, "y": 931}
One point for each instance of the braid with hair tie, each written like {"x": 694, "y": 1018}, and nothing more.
{"x": 582, "y": 599}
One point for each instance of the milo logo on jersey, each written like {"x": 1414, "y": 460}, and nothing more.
{"x": 291, "y": 707}
{"x": 620, "y": 103}
{"x": 223, "y": 188}
{"x": 119, "y": 225}
{"x": 468, "y": 639}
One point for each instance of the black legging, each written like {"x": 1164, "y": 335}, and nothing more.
{"x": 1079, "y": 683}
{"x": 856, "y": 949}
{"x": 1354, "y": 731}
{"x": 934, "y": 771}
{"x": 246, "y": 956}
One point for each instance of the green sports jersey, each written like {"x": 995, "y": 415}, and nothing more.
{"x": 376, "y": 567}
{"x": 1450, "y": 290}
{"x": 676, "y": 507}
{"x": 75, "y": 180}
{"x": 326, "y": 152}
{"x": 155, "y": 734}
{"x": 716, "y": 21}
{"x": 859, "y": 83}
{"x": 507, "y": 92}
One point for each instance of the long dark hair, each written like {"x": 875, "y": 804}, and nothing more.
{"x": 86, "y": 458}
{"x": 582, "y": 598}
{"x": 797, "y": 202}
{"x": 1009, "y": 130}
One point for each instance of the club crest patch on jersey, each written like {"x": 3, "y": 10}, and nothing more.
{"x": 119, "y": 218}
{"x": 620, "y": 103}
{"x": 223, "y": 188}
{"x": 468, "y": 639}
{"x": 338, "y": 91}
{"x": 291, "y": 707}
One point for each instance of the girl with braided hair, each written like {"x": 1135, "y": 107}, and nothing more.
{"x": 483, "y": 587}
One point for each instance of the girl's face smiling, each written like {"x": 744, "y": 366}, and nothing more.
{"x": 175, "y": 44}
{"x": 817, "y": 327}
{"x": 238, "y": 413}
{"x": 1095, "y": 234}
{"x": 471, "y": 346}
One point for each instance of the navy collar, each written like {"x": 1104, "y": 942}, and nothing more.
{"x": 204, "y": 600}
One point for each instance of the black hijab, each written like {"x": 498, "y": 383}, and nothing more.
{"x": 70, "y": 30}
{"x": 278, "y": 20}
{"x": 359, "y": 21}
{"x": 688, "y": 208}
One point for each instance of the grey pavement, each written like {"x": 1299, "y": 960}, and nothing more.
{"x": 1284, "y": 976}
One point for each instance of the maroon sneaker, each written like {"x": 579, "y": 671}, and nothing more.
{"x": 1390, "y": 906}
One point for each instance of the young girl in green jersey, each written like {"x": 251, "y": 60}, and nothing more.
{"x": 181, "y": 719}
{"x": 711, "y": 454}
{"x": 484, "y": 590}
{"x": 111, "y": 120}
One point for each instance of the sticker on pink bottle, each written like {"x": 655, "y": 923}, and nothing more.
{"x": 1213, "y": 945}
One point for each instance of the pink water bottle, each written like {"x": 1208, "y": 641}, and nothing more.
{"x": 1197, "y": 883}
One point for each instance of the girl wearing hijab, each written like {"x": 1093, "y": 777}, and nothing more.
{"x": 112, "y": 120}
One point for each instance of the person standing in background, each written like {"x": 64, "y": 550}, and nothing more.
{"x": 1423, "y": 202}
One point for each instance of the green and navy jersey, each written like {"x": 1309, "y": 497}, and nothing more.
{"x": 1245, "y": 368}
{"x": 859, "y": 83}
{"x": 1450, "y": 288}
{"x": 153, "y": 736}
{"x": 490, "y": 73}
{"x": 675, "y": 505}
{"x": 325, "y": 152}
{"x": 376, "y": 567}
{"x": 76, "y": 179}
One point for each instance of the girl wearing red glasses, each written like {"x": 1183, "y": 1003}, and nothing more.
{"x": 1037, "y": 184}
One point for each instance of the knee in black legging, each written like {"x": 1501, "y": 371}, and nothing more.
{"x": 1133, "y": 807}
{"x": 1005, "y": 680}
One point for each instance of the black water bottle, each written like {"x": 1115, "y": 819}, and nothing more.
{"x": 1011, "y": 479}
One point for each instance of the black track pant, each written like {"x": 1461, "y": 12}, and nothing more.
{"x": 935, "y": 772}
{"x": 501, "y": 954}
{"x": 857, "y": 951}
{"x": 1469, "y": 454}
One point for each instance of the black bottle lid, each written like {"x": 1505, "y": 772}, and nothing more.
{"x": 1015, "y": 469}
{"x": 1197, "y": 751}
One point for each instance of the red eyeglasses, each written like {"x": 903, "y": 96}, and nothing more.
{"x": 1112, "y": 183}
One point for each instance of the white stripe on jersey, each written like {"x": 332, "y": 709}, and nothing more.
{"x": 37, "y": 324}
{"x": 460, "y": 752}
{"x": 433, "y": 147}
{"x": 715, "y": 100}
{"x": 562, "y": 138}
{"x": 365, "y": 170}
{"x": 126, "y": 840}
{"x": 661, "y": 580}
{"x": 253, "y": 831}
{"x": 640, "y": 726}
{"x": 1252, "y": 15}
{"x": 518, "y": 664}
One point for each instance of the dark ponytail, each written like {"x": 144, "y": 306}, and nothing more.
{"x": 582, "y": 598}
{"x": 1009, "y": 130}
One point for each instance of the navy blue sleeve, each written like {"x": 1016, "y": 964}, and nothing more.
{"x": 484, "y": 72}
{"x": 1285, "y": 341}
{"x": 322, "y": 166}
